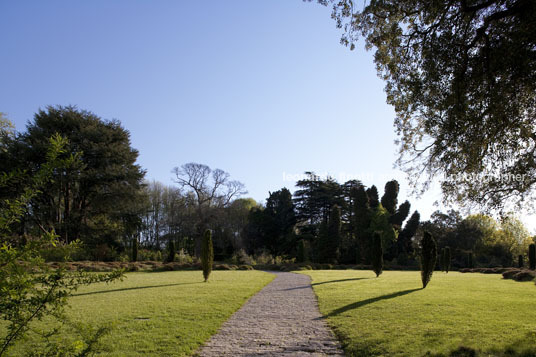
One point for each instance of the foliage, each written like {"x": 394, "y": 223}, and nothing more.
{"x": 135, "y": 246}
{"x": 428, "y": 258}
{"x": 449, "y": 73}
{"x": 92, "y": 194}
{"x": 389, "y": 199}
{"x": 520, "y": 262}
{"x": 207, "y": 254}
{"x": 171, "y": 251}
{"x": 377, "y": 254}
{"x": 29, "y": 289}
{"x": 145, "y": 307}
{"x": 392, "y": 316}
{"x": 303, "y": 251}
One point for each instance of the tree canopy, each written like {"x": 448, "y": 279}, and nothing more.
{"x": 461, "y": 76}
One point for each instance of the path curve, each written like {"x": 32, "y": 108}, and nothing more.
{"x": 281, "y": 320}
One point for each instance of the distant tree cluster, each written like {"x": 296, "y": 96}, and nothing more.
{"x": 333, "y": 223}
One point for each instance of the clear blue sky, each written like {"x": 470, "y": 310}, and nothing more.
{"x": 256, "y": 88}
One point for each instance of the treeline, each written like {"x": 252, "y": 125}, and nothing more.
{"x": 97, "y": 196}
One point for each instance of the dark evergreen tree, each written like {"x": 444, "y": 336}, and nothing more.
{"x": 390, "y": 196}
{"x": 372, "y": 194}
{"x": 334, "y": 234}
{"x": 470, "y": 260}
{"x": 520, "y": 262}
{"x": 171, "y": 251}
{"x": 361, "y": 224}
{"x": 428, "y": 258}
{"x": 135, "y": 249}
{"x": 442, "y": 259}
{"x": 279, "y": 222}
{"x": 532, "y": 257}
{"x": 377, "y": 254}
{"x": 303, "y": 251}
{"x": 400, "y": 216}
{"x": 92, "y": 195}
{"x": 447, "y": 259}
{"x": 207, "y": 254}
{"x": 405, "y": 236}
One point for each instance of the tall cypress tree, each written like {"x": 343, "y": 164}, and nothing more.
{"x": 334, "y": 234}
{"x": 171, "y": 251}
{"x": 207, "y": 254}
{"x": 448, "y": 259}
{"x": 390, "y": 197}
{"x": 377, "y": 254}
{"x": 428, "y": 258}
{"x": 361, "y": 223}
{"x": 532, "y": 257}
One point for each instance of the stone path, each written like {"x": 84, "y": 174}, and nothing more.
{"x": 281, "y": 320}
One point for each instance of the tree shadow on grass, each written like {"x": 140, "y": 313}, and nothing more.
{"x": 358, "y": 304}
{"x": 134, "y": 288}
{"x": 338, "y": 281}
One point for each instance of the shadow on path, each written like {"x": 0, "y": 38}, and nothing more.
{"x": 358, "y": 304}
{"x": 134, "y": 288}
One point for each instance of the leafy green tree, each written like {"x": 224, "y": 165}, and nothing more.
{"x": 29, "y": 289}
{"x": 449, "y": 73}
{"x": 91, "y": 194}
{"x": 207, "y": 254}
{"x": 428, "y": 258}
{"x": 377, "y": 254}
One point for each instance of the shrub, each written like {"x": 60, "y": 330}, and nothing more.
{"x": 532, "y": 257}
{"x": 525, "y": 275}
{"x": 241, "y": 257}
{"x": 509, "y": 274}
{"x": 377, "y": 254}
{"x": 149, "y": 255}
{"x": 245, "y": 267}
{"x": 183, "y": 257}
{"x": 207, "y": 254}
{"x": 428, "y": 258}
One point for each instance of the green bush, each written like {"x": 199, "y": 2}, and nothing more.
{"x": 377, "y": 254}
{"x": 207, "y": 254}
{"x": 428, "y": 258}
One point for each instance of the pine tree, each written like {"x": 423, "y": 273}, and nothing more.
{"x": 207, "y": 254}
{"x": 532, "y": 257}
{"x": 470, "y": 260}
{"x": 428, "y": 258}
{"x": 372, "y": 194}
{"x": 377, "y": 254}
{"x": 448, "y": 259}
{"x": 303, "y": 251}
{"x": 135, "y": 249}
{"x": 171, "y": 251}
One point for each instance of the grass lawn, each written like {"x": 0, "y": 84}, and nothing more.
{"x": 392, "y": 316}
{"x": 163, "y": 314}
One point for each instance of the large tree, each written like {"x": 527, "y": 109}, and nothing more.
{"x": 461, "y": 76}
{"x": 93, "y": 192}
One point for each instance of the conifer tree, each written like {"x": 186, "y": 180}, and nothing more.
{"x": 532, "y": 257}
{"x": 428, "y": 258}
{"x": 207, "y": 254}
{"x": 447, "y": 260}
{"x": 377, "y": 254}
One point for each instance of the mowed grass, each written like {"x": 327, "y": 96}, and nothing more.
{"x": 392, "y": 316}
{"x": 162, "y": 314}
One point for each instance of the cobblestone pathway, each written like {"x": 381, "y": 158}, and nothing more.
{"x": 281, "y": 320}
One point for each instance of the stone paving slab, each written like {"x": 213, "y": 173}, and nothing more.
{"x": 281, "y": 320}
